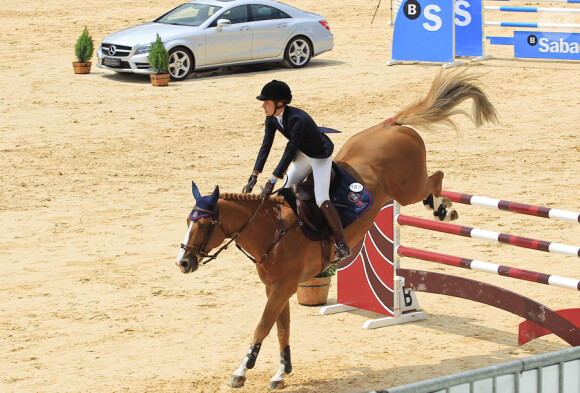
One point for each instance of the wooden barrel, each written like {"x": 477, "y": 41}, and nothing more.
{"x": 313, "y": 292}
{"x": 159, "y": 79}
{"x": 81, "y": 68}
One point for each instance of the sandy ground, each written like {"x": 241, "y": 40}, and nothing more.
{"x": 95, "y": 176}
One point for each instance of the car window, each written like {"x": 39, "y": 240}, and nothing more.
{"x": 265, "y": 12}
{"x": 236, "y": 14}
{"x": 189, "y": 14}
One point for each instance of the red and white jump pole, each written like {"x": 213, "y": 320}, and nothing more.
{"x": 515, "y": 207}
{"x": 501, "y": 270}
{"x": 482, "y": 234}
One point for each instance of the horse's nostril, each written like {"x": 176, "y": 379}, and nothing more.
{"x": 187, "y": 264}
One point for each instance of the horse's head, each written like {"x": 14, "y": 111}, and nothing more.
{"x": 202, "y": 234}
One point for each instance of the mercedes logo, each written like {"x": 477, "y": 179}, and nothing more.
{"x": 112, "y": 50}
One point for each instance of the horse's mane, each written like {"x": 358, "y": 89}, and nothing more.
{"x": 230, "y": 196}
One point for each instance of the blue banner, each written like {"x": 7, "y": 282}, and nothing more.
{"x": 424, "y": 31}
{"x": 468, "y": 28}
{"x": 542, "y": 45}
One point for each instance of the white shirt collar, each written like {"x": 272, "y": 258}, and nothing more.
{"x": 279, "y": 117}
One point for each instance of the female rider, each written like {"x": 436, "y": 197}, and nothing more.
{"x": 308, "y": 150}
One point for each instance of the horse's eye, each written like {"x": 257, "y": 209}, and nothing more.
{"x": 202, "y": 225}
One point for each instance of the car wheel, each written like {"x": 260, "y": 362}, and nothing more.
{"x": 180, "y": 63}
{"x": 298, "y": 52}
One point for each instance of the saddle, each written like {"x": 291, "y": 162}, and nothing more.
{"x": 306, "y": 207}
{"x": 348, "y": 196}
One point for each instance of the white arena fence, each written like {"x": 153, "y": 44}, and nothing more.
{"x": 555, "y": 372}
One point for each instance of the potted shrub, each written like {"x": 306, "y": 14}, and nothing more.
{"x": 159, "y": 61}
{"x": 84, "y": 49}
{"x": 314, "y": 292}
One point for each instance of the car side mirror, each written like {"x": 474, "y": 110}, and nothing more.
{"x": 223, "y": 23}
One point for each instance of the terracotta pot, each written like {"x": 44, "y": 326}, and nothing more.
{"x": 159, "y": 79}
{"x": 313, "y": 292}
{"x": 81, "y": 68}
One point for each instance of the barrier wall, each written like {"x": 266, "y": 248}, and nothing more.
{"x": 373, "y": 280}
{"x": 424, "y": 31}
{"x": 367, "y": 280}
{"x": 439, "y": 31}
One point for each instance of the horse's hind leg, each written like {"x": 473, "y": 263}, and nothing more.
{"x": 435, "y": 184}
{"x": 440, "y": 205}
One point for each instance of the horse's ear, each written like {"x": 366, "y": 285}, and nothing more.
{"x": 215, "y": 195}
{"x": 195, "y": 191}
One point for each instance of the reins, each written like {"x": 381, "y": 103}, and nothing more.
{"x": 281, "y": 232}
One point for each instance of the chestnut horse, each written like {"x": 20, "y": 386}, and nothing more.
{"x": 389, "y": 159}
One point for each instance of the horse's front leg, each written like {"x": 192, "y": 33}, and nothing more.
{"x": 278, "y": 295}
{"x": 283, "y": 326}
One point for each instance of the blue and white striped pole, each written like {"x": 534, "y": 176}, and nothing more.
{"x": 531, "y": 9}
{"x": 533, "y": 25}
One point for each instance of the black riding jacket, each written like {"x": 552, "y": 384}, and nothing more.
{"x": 302, "y": 134}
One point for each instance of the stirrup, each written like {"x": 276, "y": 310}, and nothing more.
{"x": 342, "y": 251}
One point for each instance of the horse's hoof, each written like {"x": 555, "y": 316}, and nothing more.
{"x": 238, "y": 381}
{"x": 452, "y": 215}
{"x": 446, "y": 202}
{"x": 277, "y": 384}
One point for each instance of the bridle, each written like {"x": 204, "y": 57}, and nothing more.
{"x": 199, "y": 250}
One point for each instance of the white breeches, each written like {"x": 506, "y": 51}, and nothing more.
{"x": 320, "y": 168}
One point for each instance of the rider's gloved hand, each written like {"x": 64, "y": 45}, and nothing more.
{"x": 251, "y": 183}
{"x": 268, "y": 188}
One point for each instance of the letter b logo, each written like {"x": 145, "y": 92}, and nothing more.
{"x": 412, "y": 9}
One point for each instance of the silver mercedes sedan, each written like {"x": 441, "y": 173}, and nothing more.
{"x": 208, "y": 34}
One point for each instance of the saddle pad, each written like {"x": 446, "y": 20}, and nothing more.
{"x": 349, "y": 197}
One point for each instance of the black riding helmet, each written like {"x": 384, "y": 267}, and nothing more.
{"x": 276, "y": 91}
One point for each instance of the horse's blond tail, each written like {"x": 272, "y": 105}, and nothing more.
{"x": 447, "y": 92}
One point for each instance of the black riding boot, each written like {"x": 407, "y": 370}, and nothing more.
{"x": 333, "y": 219}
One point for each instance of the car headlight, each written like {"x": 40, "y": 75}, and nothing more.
{"x": 143, "y": 49}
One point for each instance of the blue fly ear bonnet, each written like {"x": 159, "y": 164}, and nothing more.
{"x": 204, "y": 205}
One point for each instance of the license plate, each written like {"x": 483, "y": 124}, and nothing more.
{"x": 111, "y": 62}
